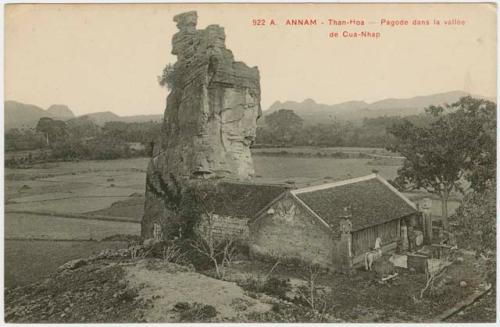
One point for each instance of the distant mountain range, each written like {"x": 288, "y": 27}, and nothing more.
{"x": 21, "y": 115}
{"x": 313, "y": 112}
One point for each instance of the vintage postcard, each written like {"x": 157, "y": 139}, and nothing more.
{"x": 250, "y": 163}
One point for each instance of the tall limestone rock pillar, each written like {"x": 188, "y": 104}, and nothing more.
{"x": 210, "y": 118}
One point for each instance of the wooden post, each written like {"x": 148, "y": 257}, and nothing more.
{"x": 404, "y": 237}
{"x": 425, "y": 210}
{"x": 346, "y": 243}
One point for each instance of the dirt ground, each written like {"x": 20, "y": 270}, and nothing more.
{"x": 93, "y": 293}
{"x": 483, "y": 310}
{"x": 164, "y": 288}
{"x": 150, "y": 290}
{"x": 129, "y": 291}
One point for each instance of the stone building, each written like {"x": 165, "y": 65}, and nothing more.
{"x": 333, "y": 224}
{"x": 233, "y": 206}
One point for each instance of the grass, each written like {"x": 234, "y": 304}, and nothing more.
{"x": 29, "y": 261}
{"x": 28, "y": 226}
{"x": 307, "y": 171}
{"x": 359, "y": 297}
{"x": 324, "y": 150}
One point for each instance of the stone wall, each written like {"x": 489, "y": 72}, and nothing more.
{"x": 290, "y": 231}
{"x": 224, "y": 227}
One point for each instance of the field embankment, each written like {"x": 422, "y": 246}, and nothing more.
{"x": 27, "y": 261}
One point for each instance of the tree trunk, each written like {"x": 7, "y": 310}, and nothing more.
{"x": 312, "y": 293}
{"x": 444, "y": 209}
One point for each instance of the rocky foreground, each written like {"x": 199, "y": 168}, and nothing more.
{"x": 112, "y": 287}
{"x": 121, "y": 286}
{"x": 111, "y": 290}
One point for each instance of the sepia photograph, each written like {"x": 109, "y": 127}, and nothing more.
{"x": 250, "y": 162}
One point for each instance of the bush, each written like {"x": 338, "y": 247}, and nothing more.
{"x": 277, "y": 287}
{"x": 272, "y": 286}
{"x": 195, "y": 312}
{"x": 127, "y": 295}
{"x": 476, "y": 218}
{"x": 290, "y": 313}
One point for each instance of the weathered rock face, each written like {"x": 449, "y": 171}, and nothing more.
{"x": 211, "y": 115}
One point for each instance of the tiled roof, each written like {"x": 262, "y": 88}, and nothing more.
{"x": 371, "y": 199}
{"x": 243, "y": 200}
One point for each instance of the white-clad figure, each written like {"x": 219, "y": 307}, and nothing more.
{"x": 373, "y": 255}
{"x": 404, "y": 237}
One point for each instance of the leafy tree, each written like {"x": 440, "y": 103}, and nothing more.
{"x": 83, "y": 127}
{"x": 23, "y": 139}
{"x": 477, "y": 118}
{"x": 284, "y": 124}
{"x": 371, "y": 132}
{"x": 476, "y": 218}
{"x": 167, "y": 77}
{"x": 458, "y": 145}
{"x": 53, "y": 129}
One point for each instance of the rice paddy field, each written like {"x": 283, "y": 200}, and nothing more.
{"x": 52, "y": 210}
{"x": 28, "y": 261}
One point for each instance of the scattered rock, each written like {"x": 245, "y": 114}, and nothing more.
{"x": 460, "y": 259}
{"x": 149, "y": 242}
{"x": 24, "y": 188}
{"x": 73, "y": 264}
{"x": 181, "y": 306}
{"x": 463, "y": 283}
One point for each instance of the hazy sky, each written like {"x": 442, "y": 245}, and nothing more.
{"x": 107, "y": 57}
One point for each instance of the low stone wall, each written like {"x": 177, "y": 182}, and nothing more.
{"x": 225, "y": 227}
{"x": 417, "y": 262}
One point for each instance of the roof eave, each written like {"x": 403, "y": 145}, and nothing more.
{"x": 261, "y": 212}
{"x": 315, "y": 215}
{"x": 393, "y": 189}
{"x": 334, "y": 184}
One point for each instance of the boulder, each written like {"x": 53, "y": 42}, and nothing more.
{"x": 73, "y": 264}
{"x": 149, "y": 242}
{"x": 212, "y": 110}
{"x": 210, "y": 117}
